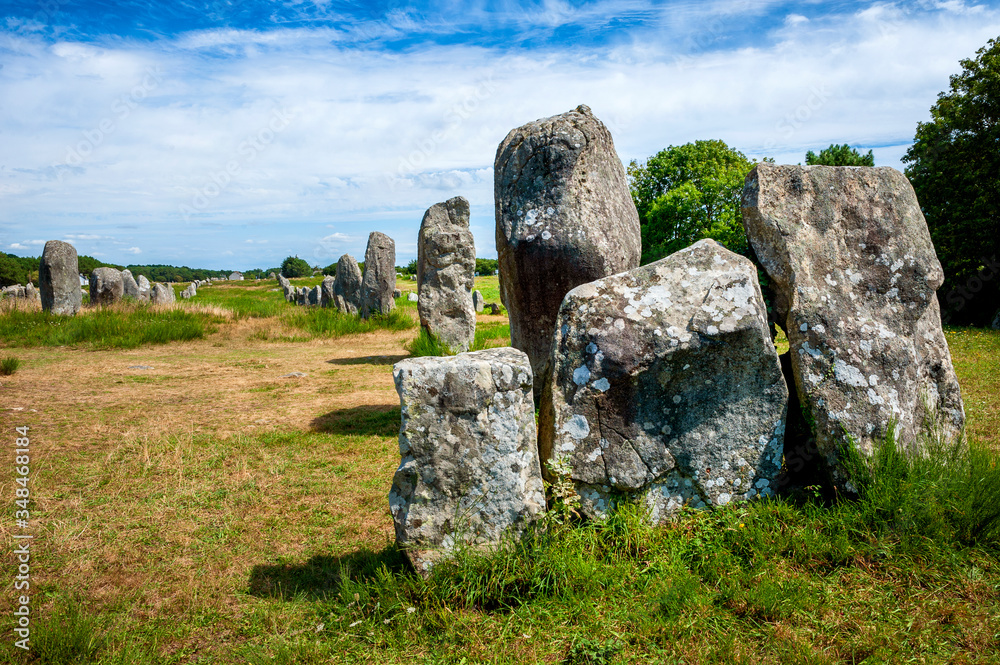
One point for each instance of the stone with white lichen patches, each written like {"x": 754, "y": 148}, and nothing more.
{"x": 666, "y": 386}
{"x": 469, "y": 471}
{"x": 854, "y": 276}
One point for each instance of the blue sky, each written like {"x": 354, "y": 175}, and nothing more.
{"x": 232, "y": 133}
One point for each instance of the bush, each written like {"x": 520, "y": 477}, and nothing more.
{"x": 293, "y": 266}
{"x": 9, "y": 365}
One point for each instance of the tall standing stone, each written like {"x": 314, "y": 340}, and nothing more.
{"x": 379, "y": 280}
{"x": 446, "y": 266}
{"x": 347, "y": 285}
{"x": 130, "y": 287}
{"x": 327, "y": 295}
{"x": 855, "y": 274}
{"x": 469, "y": 471}
{"x": 666, "y": 386}
{"x": 59, "y": 278}
{"x": 477, "y": 300}
{"x": 106, "y": 286}
{"x": 144, "y": 288}
{"x": 564, "y": 217}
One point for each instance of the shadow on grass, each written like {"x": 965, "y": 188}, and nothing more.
{"x": 321, "y": 577}
{"x": 380, "y": 420}
{"x": 368, "y": 360}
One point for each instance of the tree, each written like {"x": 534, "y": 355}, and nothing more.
{"x": 954, "y": 165}
{"x": 689, "y": 192}
{"x": 487, "y": 267}
{"x": 293, "y": 266}
{"x": 330, "y": 270}
{"x": 839, "y": 155}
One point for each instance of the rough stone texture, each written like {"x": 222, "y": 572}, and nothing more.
{"x": 347, "y": 285}
{"x": 106, "y": 286}
{"x": 469, "y": 470}
{"x": 665, "y": 384}
{"x": 494, "y": 308}
{"x": 287, "y": 288}
{"x": 59, "y": 278}
{"x": 130, "y": 287}
{"x": 379, "y": 280}
{"x": 326, "y": 294}
{"x": 854, "y": 275}
{"x": 162, "y": 294}
{"x": 302, "y": 296}
{"x": 31, "y": 293}
{"x": 564, "y": 217}
{"x": 446, "y": 266}
{"x": 412, "y": 297}
{"x": 477, "y": 300}
{"x": 315, "y": 297}
{"x": 190, "y": 292}
{"x": 144, "y": 288}
{"x": 396, "y": 292}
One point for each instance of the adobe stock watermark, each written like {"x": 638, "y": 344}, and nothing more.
{"x": 795, "y": 119}
{"x": 961, "y": 295}
{"x": 22, "y": 539}
{"x": 121, "y": 108}
{"x": 246, "y": 152}
{"x": 709, "y": 33}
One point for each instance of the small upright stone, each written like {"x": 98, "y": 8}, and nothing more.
{"x": 190, "y": 292}
{"x": 162, "y": 294}
{"x": 326, "y": 292}
{"x": 347, "y": 285}
{"x": 144, "y": 288}
{"x": 315, "y": 296}
{"x": 666, "y": 386}
{"x": 564, "y": 217}
{"x": 31, "y": 293}
{"x": 130, "y": 287}
{"x": 446, "y": 265}
{"x": 854, "y": 273}
{"x": 379, "y": 280}
{"x": 106, "y": 286}
{"x": 59, "y": 279}
{"x": 477, "y": 300}
{"x": 469, "y": 469}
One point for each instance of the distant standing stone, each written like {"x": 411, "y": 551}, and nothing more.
{"x": 446, "y": 263}
{"x": 494, "y": 308}
{"x": 666, "y": 386}
{"x": 144, "y": 288}
{"x": 315, "y": 295}
{"x": 469, "y": 469}
{"x": 190, "y": 292}
{"x": 326, "y": 292}
{"x": 379, "y": 280}
{"x": 564, "y": 217}
{"x": 854, "y": 273}
{"x": 59, "y": 279}
{"x": 397, "y": 293}
{"x": 477, "y": 300}
{"x": 162, "y": 294}
{"x": 412, "y": 297}
{"x": 347, "y": 285}
{"x": 130, "y": 287}
{"x": 106, "y": 286}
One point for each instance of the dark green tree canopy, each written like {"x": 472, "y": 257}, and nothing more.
{"x": 839, "y": 155}
{"x": 689, "y": 192}
{"x": 293, "y": 266}
{"x": 954, "y": 165}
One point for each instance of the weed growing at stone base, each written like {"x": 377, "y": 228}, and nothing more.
{"x": 488, "y": 336}
{"x": 426, "y": 344}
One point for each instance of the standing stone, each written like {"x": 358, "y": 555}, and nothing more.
{"x": 855, "y": 274}
{"x": 31, "y": 293}
{"x": 665, "y": 385}
{"x": 162, "y": 294}
{"x": 130, "y": 287}
{"x": 106, "y": 286}
{"x": 379, "y": 280}
{"x": 347, "y": 285}
{"x": 144, "y": 288}
{"x": 190, "y": 292}
{"x": 326, "y": 293}
{"x": 564, "y": 217}
{"x": 412, "y": 297}
{"x": 314, "y": 296}
{"x": 446, "y": 266}
{"x": 397, "y": 293}
{"x": 302, "y": 296}
{"x": 271, "y": 275}
{"x": 477, "y": 300}
{"x": 469, "y": 470}
{"x": 58, "y": 278}
{"x": 996, "y": 321}
{"x": 494, "y": 308}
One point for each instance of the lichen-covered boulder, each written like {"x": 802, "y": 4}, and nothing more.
{"x": 469, "y": 471}
{"x": 854, "y": 275}
{"x": 106, "y": 286}
{"x": 665, "y": 384}
{"x": 59, "y": 278}
{"x": 347, "y": 285}
{"x": 379, "y": 280}
{"x": 446, "y": 266}
{"x": 564, "y": 217}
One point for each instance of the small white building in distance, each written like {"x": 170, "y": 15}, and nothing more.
{"x": 236, "y": 275}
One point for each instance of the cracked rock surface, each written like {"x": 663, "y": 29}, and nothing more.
{"x": 469, "y": 471}
{"x": 665, "y": 384}
{"x": 446, "y": 268}
{"x": 564, "y": 217}
{"x": 855, "y": 274}
{"x": 379, "y": 280}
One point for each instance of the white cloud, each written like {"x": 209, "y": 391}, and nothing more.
{"x": 134, "y": 250}
{"x": 82, "y": 236}
{"x": 17, "y": 245}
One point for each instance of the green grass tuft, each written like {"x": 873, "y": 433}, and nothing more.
{"x": 328, "y": 322}
{"x": 9, "y": 365}
{"x": 427, "y": 344}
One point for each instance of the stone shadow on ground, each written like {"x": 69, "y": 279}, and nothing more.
{"x": 368, "y": 360}
{"x": 322, "y": 576}
{"x": 382, "y": 420}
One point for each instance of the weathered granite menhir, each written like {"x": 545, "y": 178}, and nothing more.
{"x": 446, "y": 266}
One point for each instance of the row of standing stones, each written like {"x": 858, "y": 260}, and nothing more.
{"x": 662, "y": 383}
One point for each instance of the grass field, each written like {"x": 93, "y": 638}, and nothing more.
{"x": 200, "y": 501}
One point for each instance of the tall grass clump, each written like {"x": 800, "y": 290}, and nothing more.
{"x": 328, "y": 322}
{"x": 9, "y": 365}
{"x": 427, "y": 344}
{"x": 124, "y": 326}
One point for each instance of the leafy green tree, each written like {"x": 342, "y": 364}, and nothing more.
{"x": 954, "y": 165}
{"x": 293, "y": 266}
{"x": 686, "y": 193}
{"x": 487, "y": 266}
{"x": 839, "y": 155}
{"x": 330, "y": 270}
